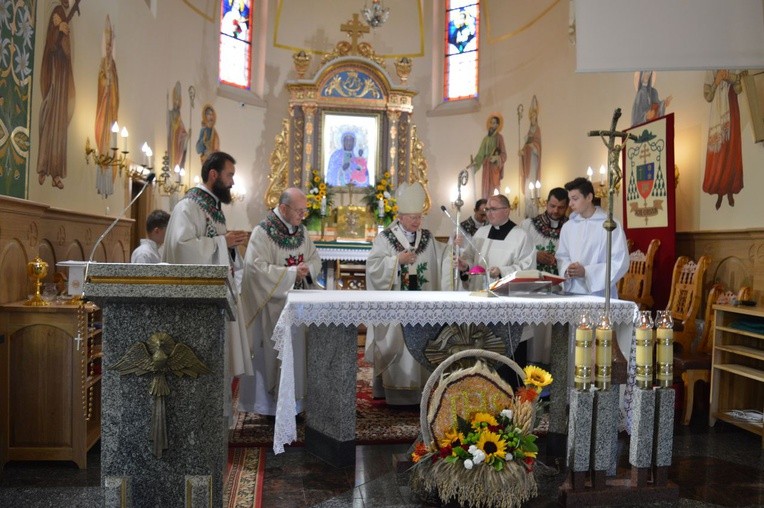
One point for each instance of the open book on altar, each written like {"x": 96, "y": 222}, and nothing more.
{"x": 527, "y": 278}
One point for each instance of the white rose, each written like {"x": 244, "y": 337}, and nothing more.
{"x": 478, "y": 457}
{"x": 507, "y": 413}
{"x": 468, "y": 464}
{"x": 509, "y": 457}
{"x": 386, "y": 194}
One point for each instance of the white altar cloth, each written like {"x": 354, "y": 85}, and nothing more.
{"x": 420, "y": 307}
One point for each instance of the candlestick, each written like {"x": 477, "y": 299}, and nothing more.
{"x": 664, "y": 349}
{"x": 644, "y": 349}
{"x": 604, "y": 360}
{"x": 114, "y": 132}
{"x": 583, "y": 355}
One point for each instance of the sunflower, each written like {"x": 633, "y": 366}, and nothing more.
{"x": 493, "y": 445}
{"x": 537, "y": 377}
{"x": 452, "y": 438}
{"x": 480, "y": 418}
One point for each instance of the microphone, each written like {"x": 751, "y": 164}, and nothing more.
{"x": 468, "y": 237}
{"x": 149, "y": 178}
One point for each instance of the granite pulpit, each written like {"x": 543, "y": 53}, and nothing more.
{"x": 164, "y": 434}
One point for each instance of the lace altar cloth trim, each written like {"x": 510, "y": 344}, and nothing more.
{"x": 370, "y": 308}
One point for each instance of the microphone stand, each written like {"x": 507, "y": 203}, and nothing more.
{"x": 149, "y": 179}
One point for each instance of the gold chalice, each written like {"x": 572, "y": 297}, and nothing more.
{"x": 37, "y": 269}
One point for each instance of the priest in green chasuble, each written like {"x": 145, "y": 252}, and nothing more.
{"x": 280, "y": 257}
{"x": 197, "y": 235}
{"x": 404, "y": 257}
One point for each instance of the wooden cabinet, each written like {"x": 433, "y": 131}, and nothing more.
{"x": 50, "y": 382}
{"x": 737, "y": 369}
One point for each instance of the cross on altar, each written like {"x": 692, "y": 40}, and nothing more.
{"x": 355, "y": 29}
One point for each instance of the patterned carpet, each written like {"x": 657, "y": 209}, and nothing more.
{"x": 376, "y": 422}
{"x": 243, "y": 482}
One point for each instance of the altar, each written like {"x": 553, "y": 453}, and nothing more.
{"x": 331, "y": 320}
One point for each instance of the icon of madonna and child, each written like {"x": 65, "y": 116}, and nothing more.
{"x": 348, "y": 164}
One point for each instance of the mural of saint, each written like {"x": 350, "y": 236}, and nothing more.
{"x": 208, "y": 141}
{"x": 177, "y": 135}
{"x": 57, "y": 87}
{"x": 647, "y": 103}
{"x": 724, "y": 158}
{"x": 107, "y": 108}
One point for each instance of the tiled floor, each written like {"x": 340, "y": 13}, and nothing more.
{"x": 720, "y": 466}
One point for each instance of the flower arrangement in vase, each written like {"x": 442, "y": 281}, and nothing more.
{"x": 380, "y": 201}
{"x": 318, "y": 201}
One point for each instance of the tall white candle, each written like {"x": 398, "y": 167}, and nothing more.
{"x": 381, "y": 207}
{"x": 603, "y": 173}
{"x": 323, "y": 205}
{"x": 114, "y": 132}
{"x": 124, "y": 135}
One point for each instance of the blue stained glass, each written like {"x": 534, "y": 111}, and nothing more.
{"x": 235, "y": 43}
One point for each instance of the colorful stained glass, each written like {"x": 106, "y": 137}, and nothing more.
{"x": 461, "y": 44}
{"x": 235, "y": 43}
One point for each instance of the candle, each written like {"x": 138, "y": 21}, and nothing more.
{"x": 604, "y": 361}
{"x": 589, "y": 173}
{"x": 150, "y": 155}
{"x": 323, "y": 205}
{"x": 583, "y": 370}
{"x": 644, "y": 346}
{"x": 145, "y": 149}
{"x": 507, "y": 190}
{"x": 664, "y": 353}
{"x": 124, "y": 135}
{"x": 381, "y": 207}
{"x": 530, "y": 189}
{"x": 603, "y": 172}
{"x": 114, "y": 132}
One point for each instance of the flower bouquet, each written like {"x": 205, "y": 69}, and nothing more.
{"x": 318, "y": 201}
{"x": 486, "y": 459}
{"x": 379, "y": 198}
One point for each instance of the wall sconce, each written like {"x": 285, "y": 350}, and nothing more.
{"x": 171, "y": 182}
{"x": 513, "y": 203}
{"x": 534, "y": 194}
{"x": 137, "y": 172}
{"x": 117, "y": 158}
{"x": 601, "y": 187}
{"x": 238, "y": 192}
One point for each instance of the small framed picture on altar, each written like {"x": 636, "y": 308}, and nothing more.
{"x": 350, "y": 148}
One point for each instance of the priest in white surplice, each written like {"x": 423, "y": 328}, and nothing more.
{"x": 503, "y": 245}
{"x": 280, "y": 257}
{"x": 197, "y": 235}
{"x": 404, "y": 257}
{"x": 582, "y": 252}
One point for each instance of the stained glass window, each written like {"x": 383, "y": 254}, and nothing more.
{"x": 461, "y": 44}
{"x": 235, "y": 43}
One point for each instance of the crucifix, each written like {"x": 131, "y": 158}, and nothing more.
{"x": 355, "y": 29}
{"x": 614, "y": 177}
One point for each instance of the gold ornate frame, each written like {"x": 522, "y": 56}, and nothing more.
{"x": 351, "y": 80}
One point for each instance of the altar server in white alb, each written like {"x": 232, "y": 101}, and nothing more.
{"x": 280, "y": 257}
{"x": 504, "y": 245}
{"x": 197, "y": 235}
{"x": 582, "y": 252}
{"x": 403, "y": 257}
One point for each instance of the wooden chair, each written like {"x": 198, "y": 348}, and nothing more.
{"x": 694, "y": 366}
{"x": 685, "y": 298}
{"x": 637, "y": 284}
